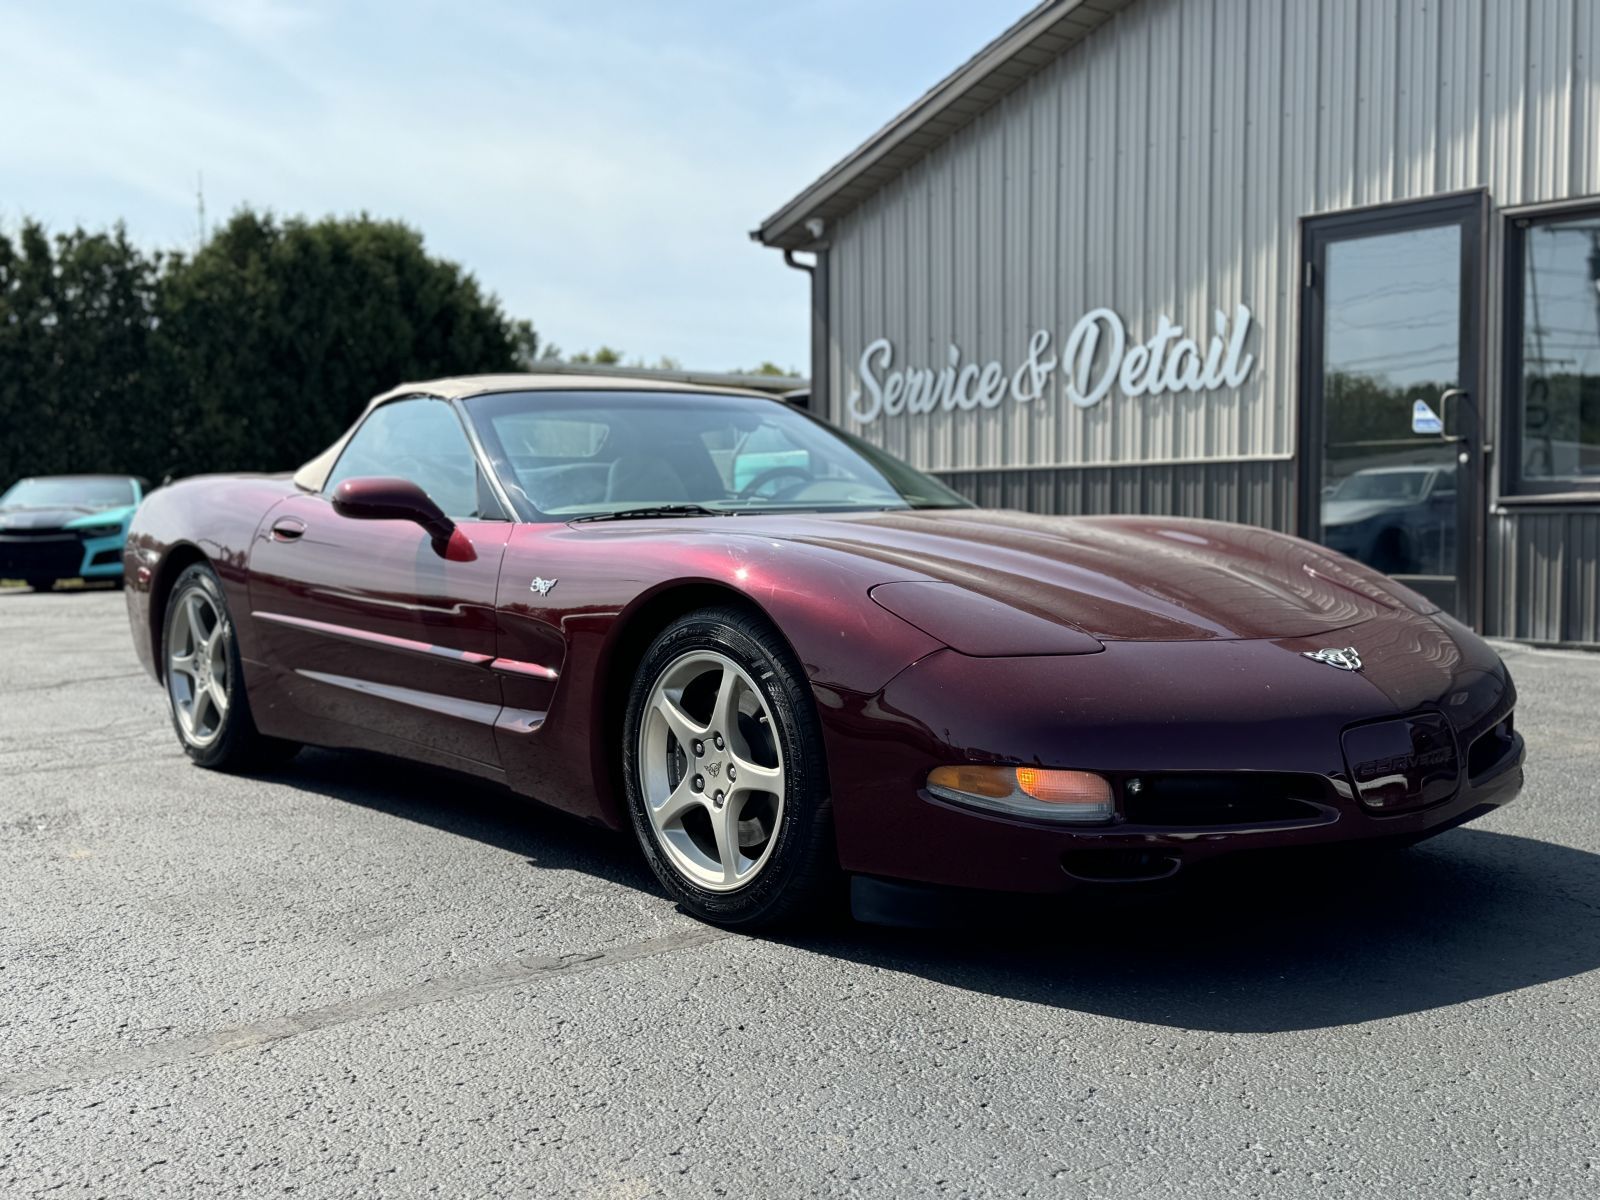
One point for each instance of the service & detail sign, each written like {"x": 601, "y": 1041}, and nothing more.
{"x": 1096, "y": 358}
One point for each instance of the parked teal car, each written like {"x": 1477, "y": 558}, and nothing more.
{"x": 66, "y": 527}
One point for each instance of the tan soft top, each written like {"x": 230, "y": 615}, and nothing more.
{"x": 314, "y": 474}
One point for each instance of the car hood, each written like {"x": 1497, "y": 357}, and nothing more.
{"x": 40, "y": 518}
{"x": 1116, "y": 578}
{"x": 103, "y": 516}
{"x": 1349, "y": 512}
{"x": 61, "y": 517}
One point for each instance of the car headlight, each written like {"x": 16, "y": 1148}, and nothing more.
{"x": 1035, "y": 792}
{"x": 97, "y": 531}
{"x": 978, "y": 625}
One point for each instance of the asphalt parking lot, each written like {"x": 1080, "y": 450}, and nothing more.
{"x": 355, "y": 978}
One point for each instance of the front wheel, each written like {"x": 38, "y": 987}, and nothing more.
{"x": 205, "y": 681}
{"x": 724, "y": 769}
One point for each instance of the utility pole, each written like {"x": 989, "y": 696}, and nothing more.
{"x": 200, "y": 206}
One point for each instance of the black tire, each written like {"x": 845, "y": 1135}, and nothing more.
{"x": 40, "y": 585}
{"x": 237, "y": 745}
{"x": 800, "y": 873}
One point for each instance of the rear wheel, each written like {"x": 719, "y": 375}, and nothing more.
{"x": 40, "y": 584}
{"x": 205, "y": 682}
{"x": 723, "y": 764}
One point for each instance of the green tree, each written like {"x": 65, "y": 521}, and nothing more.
{"x": 276, "y": 333}
{"x": 767, "y": 368}
{"x": 254, "y": 354}
{"x": 77, "y": 324}
{"x": 605, "y": 356}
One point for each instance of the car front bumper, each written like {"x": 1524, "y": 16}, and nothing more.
{"x": 60, "y": 554}
{"x": 1216, "y": 716}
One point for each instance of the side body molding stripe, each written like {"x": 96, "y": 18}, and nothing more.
{"x": 348, "y": 633}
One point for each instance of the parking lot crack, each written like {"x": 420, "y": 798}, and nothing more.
{"x": 75, "y": 681}
{"x": 499, "y": 977}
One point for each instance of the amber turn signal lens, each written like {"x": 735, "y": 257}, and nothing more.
{"x": 994, "y": 782}
{"x": 1064, "y": 787}
{"x": 1025, "y": 791}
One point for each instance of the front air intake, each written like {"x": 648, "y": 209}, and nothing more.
{"x": 1222, "y": 799}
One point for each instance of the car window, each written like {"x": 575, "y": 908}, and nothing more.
{"x": 535, "y": 436}
{"x": 604, "y": 451}
{"x": 767, "y": 454}
{"x": 420, "y": 440}
{"x": 1381, "y": 485}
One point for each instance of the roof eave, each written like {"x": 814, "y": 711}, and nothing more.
{"x": 1041, "y": 36}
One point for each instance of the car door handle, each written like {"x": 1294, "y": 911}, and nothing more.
{"x": 287, "y": 529}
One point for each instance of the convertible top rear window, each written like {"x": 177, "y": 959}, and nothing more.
{"x": 567, "y": 455}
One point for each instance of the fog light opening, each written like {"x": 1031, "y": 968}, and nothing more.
{"x": 1120, "y": 866}
{"x": 1038, "y": 792}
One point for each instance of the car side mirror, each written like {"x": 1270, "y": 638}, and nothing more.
{"x": 379, "y": 498}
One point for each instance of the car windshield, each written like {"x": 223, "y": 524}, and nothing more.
{"x": 69, "y": 491}
{"x": 1382, "y": 485}
{"x": 597, "y": 453}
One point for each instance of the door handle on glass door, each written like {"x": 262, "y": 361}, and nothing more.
{"x": 1460, "y": 396}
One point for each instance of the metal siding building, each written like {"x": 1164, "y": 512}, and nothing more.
{"x": 1170, "y": 158}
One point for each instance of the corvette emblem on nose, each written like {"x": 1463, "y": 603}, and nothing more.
{"x": 542, "y": 586}
{"x": 1346, "y": 659}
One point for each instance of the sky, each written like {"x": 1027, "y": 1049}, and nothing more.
{"x": 598, "y": 166}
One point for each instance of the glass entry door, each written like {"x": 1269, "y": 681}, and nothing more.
{"x": 1390, "y": 338}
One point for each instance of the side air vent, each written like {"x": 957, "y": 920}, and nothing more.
{"x": 1491, "y": 749}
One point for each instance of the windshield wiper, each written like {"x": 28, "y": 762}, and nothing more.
{"x": 655, "y": 510}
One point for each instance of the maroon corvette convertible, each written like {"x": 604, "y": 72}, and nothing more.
{"x": 776, "y": 653}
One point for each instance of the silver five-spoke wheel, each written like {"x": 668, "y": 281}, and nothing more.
{"x": 197, "y": 667}
{"x": 711, "y": 771}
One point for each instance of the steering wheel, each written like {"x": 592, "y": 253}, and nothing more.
{"x": 751, "y": 489}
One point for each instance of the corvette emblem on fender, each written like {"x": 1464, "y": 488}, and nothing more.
{"x": 542, "y": 586}
{"x": 1346, "y": 659}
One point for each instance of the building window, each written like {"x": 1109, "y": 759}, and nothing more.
{"x": 1553, "y": 352}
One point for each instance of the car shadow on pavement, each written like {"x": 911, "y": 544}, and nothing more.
{"x": 472, "y": 808}
{"x": 1277, "y": 945}
{"x": 1271, "y": 947}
